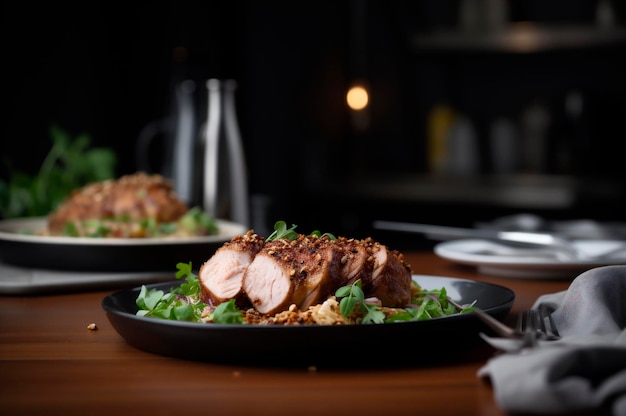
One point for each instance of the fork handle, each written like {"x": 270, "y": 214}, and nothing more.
{"x": 500, "y": 328}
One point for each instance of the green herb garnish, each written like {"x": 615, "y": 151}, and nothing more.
{"x": 429, "y": 304}
{"x": 196, "y": 221}
{"x": 282, "y": 232}
{"x": 317, "y": 233}
{"x": 353, "y": 301}
{"x": 70, "y": 164}
{"x": 181, "y": 303}
{"x": 226, "y": 313}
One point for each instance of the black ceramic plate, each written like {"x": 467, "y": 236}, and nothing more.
{"x": 19, "y": 246}
{"x": 403, "y": 343}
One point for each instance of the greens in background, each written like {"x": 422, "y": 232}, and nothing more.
{"x": 70, "y": 164}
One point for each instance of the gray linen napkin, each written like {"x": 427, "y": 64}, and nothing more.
{"x": 584, "y": 371}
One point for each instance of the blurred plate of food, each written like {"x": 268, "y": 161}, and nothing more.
{"x": 20, "y": 245}
{"x": 134, "y": 223}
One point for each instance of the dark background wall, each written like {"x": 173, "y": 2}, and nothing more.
{"x": 109, "y": 68}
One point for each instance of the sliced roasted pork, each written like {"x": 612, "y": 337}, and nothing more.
{"x": 271, "y": 276}
{"x": 391, "y": 277}
{"x": 221, "y": 277}
{"x": 352, "y": 256}
{"x": 290, "y": 272}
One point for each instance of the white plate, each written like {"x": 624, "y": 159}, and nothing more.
{"x": 20, "y": 246}
{"x": 499, "y": 260}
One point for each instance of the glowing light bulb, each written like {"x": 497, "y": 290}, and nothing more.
{"x": 357, "y": 97}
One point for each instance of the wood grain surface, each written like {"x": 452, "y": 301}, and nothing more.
{"x": 51, "y": 363}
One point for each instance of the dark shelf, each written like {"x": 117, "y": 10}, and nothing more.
{"x": 521, "y": 38}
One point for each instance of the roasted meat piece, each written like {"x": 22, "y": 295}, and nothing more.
{"x": 391, "y": 277}
{"x": 352, "y": 256}
{"x": 221, "y": 277}
{"x": 132, "y": 198}
{"x": 290, "y": 272}
{"x": 273, "y": 275}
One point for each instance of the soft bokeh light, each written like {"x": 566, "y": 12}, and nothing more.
{"x": 357, "y": 97}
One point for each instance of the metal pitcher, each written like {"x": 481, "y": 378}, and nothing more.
{"x": 204, "y": 153}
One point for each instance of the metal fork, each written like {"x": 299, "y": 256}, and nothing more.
{"x": 527, "y": 327}
{"x": 535, "y": 325}
{"x": 532, "y": 325}
{"x": 540, "y": 321}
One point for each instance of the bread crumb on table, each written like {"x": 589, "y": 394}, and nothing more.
{"x": 92, "y": 327}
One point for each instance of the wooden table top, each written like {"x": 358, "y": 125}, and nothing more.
{"x": 51, "y": 363}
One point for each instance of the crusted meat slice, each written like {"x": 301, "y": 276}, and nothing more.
{"x": 271, "y": 276}
{"x": 351, "y": 261}
{"x": 290, "y": 272}
{"x": 221, "y": 277}
{"x": 382, "y": 272}
{"x": 391, "y": 277}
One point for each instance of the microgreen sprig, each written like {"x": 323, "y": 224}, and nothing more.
{"x": 317, "y": 233}
{"x": 353, "y": 301}
{"x": 282, "y": 232}
{"x": 184, "y": 303}
{"x": 181, "y": 303}
{"x": 226, "y": 313}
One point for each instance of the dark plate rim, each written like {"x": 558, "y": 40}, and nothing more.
{"x": 108, "y": 304}
{"x": 423, "y": 343}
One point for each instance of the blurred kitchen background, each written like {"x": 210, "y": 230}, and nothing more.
{"x": 477, "y": 108}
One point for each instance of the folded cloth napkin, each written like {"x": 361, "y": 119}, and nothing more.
{"x": 585, "y": 371}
